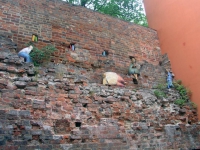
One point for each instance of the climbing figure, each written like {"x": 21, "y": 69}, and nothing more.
{"x": 132, "y": 70}
{"x": 112, "y": 78}
{"x": 25, "y": 54}
{"x": 169, "y": 80}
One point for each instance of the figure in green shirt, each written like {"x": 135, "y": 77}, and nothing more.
{"x": 133, "y": 71}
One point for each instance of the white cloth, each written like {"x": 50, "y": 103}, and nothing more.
{"x": 110, "y": 78}
{"x": 27, "y": 49}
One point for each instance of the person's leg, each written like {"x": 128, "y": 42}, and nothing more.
{"x": 135, "y": 79}
{"x": 29, "y": 58}
{"x": 26, "y": 56}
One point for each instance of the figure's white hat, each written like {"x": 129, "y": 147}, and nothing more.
{"x": 31, "y": 47}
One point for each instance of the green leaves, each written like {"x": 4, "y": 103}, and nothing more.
{"x": 182, "y": 91}
{"x": 185, "y": 94}
{"x": 39, "y": 56}
{"x": 128, "y": 10}
{"x": 180, "y": 102}
{"x": 160, "y": 92}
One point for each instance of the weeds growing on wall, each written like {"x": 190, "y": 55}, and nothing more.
{"x": 193, "y": 105}
{"x": 159, "y": 94}
{"x": 40, "y": 56}
{"x": 160, "y": 90}
{"x": 180, "y": 102}
{"x": 185, "y": 94}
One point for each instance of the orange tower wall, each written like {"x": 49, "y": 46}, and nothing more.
{"x": 178, "y": 27}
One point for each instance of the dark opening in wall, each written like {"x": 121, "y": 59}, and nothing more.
{"x": 34, "y": 38}
{"x": 84, "y": 105}
{"x": 162, "y": 105}
{"x": 177, "y": 129}
{"x": 72, "y": 46}
{"x": 105, "y": 53}
{"x": 78, "y": 124}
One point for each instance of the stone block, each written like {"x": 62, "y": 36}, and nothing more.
{"x": 39, "y": 104}
{"x": 36, "y": 132}
{"x": 20, "y": 84}
{"x": 24, "y": 113}
{"x": 46, "y": 137}
{"x": 2, "y": 140}
{"x": 27, "y": 137}
{"x": 26, "y": 122}
{"x": 19, "y": 142}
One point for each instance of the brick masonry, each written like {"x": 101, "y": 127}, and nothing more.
{"x": 64, "y": 106}
{"x": 93, "y": 32}
{"x": 59, "y": 23}
{"x": 53, "y": 107}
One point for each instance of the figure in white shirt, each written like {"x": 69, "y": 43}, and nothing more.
{"x": 25, "y": 53}
{"x": 112, "y": 78}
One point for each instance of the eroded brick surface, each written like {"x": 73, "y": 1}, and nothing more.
{"x": 65, "y": 106}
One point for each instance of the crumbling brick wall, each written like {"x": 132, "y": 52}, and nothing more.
{"x": 55, "y": 108}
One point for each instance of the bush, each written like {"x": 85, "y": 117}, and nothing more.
{"x": 39, "y": 56}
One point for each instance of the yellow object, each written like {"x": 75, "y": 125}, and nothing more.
{"x": 33, "y": 37}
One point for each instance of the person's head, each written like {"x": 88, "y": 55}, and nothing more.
{"x": 31, "y": 47}
{"x": 133, "y": 60}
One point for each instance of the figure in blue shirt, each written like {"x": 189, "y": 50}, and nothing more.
{"x": 169, "y": 80}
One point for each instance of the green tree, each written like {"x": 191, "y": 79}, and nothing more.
{"x": 128, "y": 10}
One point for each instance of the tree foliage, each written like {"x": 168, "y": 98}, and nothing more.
{"x": 128, "y": 10}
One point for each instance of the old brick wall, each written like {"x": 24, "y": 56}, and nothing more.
{"x": 54, "y": 108}
{"x": 63, "y": 105}
{"x": 59, "y": 23}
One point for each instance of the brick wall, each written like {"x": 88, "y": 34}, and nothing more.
{"x": 65, "y": 106}
{"x": 56, "y": 107}
{"x": 60, "y": 23}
